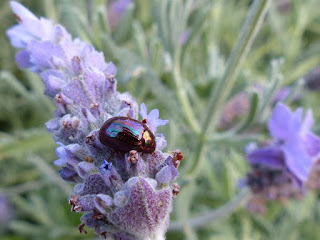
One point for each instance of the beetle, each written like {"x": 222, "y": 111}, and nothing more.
{"x": 125, "y": 134}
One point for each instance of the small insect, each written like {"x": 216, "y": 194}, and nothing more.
{"x": 125, "y": 134}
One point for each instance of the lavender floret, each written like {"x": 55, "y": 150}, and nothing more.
{"x": 122, "y": 195}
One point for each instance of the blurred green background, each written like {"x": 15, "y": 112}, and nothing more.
{"x": 142, "y": 42}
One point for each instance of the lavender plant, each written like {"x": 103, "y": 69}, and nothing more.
{"x": 124, "y": 195}
{"x": 172, "y": 55}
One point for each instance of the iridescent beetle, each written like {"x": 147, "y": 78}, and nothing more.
{"x": 125, "y": 134}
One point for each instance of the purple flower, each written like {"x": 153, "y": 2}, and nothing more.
{"x": 234, "y": 109}
{"x": 116, "y": 10}
{"x": 312, "y": 79}
{"x": 283, "y": 93}
{"x": 6, "y": 211}
{"x": 152, "y": 119}
{"x": 299, "y": 145}
{"x": 122, "y": 195}
{"x": 281, "y": 169}
{"x": 270, "y": 179}
{"x": 30, "y": 27}
{"x": 184, "y": 36}
{"x": 294, "y": 145}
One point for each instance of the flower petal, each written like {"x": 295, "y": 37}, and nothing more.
{"x": 22, "y": 11}
{"x": 280, "y": 121}
{"x": 297, "y": 159}
{"x": 143, "y": 111}
{"x": 307, "y": 122}
{"x": 19, "y": 36}
{"x": 23, "y": 59}
{"x": 167, "y": 174}
{"x": 154, "y": 114}
{"x": 312, "y": 144}
{"x": 269, "y": 156}
{"x": 43, "y": 52}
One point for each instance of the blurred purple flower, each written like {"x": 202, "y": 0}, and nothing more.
{"x": 282, "y": 168}
{"x": 312, "y": 79}
{"x": 284, "y": 6}
{"x": 235, "y": 108}
{"x": 239, "y": 105}
{"x": 283, "y": 93}
{"x": 123, "y": 195}
{"x": 299, "y": 145}
{"x": 116, "y": 10}
{"x": 270, "y": 179}
{"x": 6, "y": 211}
{"x": 184, "y": 36}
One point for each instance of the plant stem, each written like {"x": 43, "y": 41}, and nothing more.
{"x": 247, "y": 34}
{"x": 222, "y": 139}
{"x": 224, "y": 86}
{"x": 23, "y": 187}
{"x": 183, "y": 97}
{"x": 20, "y": 146}
{"x": 216, "y": 214}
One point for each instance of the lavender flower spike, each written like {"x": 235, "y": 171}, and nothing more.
{"x": 282, "y": 169}
{"x": 123, "y": 195}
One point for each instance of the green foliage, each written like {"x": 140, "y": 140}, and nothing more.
{"x": 177, "y": 79}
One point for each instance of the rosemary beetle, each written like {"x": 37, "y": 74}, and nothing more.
{"x": 125, "y": 134}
